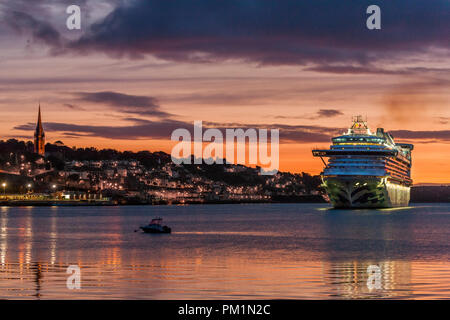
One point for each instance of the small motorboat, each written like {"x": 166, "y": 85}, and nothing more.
{"x": 155, "y": 226}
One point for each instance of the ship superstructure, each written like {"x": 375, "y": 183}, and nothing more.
{"x": 365, "y": 169}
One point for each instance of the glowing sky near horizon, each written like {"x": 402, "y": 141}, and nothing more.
{"x": 169, "y": 79}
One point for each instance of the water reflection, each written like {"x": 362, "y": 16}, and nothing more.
{"x": 350, "y": 264}
{"x": 353, "y": 280}
{"x": 301, "y": 254}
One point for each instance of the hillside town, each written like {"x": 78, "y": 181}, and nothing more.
{"x": 67, "y": 173}
{"x": 42, "y": 171}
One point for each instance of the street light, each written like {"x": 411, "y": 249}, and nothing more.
{"x": 4, "y": 188}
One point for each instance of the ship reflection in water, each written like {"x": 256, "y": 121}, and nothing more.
{"x": 226, "y": 251}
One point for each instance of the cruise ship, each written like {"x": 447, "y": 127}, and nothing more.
{"x": 365, "y": 169}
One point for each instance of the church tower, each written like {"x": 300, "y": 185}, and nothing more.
{"x": 39, "y": 136}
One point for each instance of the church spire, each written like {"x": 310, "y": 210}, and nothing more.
{"x": 39, "y": 123}
{"x": 39, "y": 135}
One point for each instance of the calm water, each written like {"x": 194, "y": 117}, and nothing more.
{"x": 298, "y": 251}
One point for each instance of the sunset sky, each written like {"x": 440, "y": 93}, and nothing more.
{"x": 137, "y": 70}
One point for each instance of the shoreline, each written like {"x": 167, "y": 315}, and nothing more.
{"x": 136, "y": 201}
{"x": 159, "y": 203}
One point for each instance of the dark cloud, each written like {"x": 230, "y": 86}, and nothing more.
{"x": 144, "y": 129}
{"x": 44, "y": 21}
{"x": 292, "y": 134}
{"x": 324, "y": 35}
{"x": 319, "y": 32}
{"x": 329, "y": 113}
{"x": 322, "y": 113}
{"x": 440, "y": 135}
{"x": 73, "y": 134}
{"x": 288, "y": 133}
{"x": 13, "y": 136}
{"x": 350, "y": 69}
{"x": 73, "y": 107}
{"x": 356, "y": 70}
{"x": 126, "y": 103}
{"x": 40, "y": 31}
{"x": 25, "y": 127}
{"x": 148, "y": 129}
